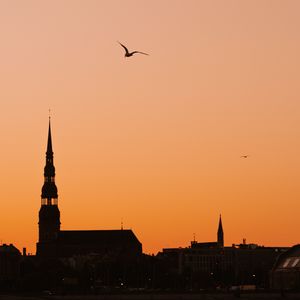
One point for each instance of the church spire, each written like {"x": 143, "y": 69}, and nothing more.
{"x": 220, "y": 234}
{"x": 49, "y": 215}
{"x": 49, "y": 143}
{"x": 49, "y": 189}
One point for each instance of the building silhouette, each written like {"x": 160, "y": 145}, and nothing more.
{"x": 285, "y": 274}
{"x": 89, "y": 261}
{"x": 56, "y": 243}
{"x": 212, "y": 264}
{"x": 10, "y": 258}
{"x": 49, "y": 214}
{"x": 217, "y": 244}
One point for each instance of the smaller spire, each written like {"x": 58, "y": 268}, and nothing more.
{"x": 220, "y": 234}
{"x": 220, "y": 223}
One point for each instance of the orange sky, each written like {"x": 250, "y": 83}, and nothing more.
{"x": 153, "y": 140}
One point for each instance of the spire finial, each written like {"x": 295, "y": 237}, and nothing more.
{"x": 49, "y": 110}
{"x": 122, "y": 224}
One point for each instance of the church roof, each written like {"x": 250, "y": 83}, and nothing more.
{"x": 108, "y": 237}
{"x": 205, "y": 245}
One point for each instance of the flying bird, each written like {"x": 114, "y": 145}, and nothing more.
{"x": 128, "y": 54}
{"x": 244, "y": 156}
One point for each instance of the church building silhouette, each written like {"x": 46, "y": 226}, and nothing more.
{"x": 56, "y": 243}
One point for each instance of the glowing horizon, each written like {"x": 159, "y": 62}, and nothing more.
{"x": 153, "y": 141}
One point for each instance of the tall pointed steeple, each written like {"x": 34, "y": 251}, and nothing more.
{"x": 49, "y": 214}
{"x": 49, "y": 190}
{"x": 220, "y": 234}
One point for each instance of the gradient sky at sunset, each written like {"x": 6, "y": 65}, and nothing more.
{"x": 154, "y": 140}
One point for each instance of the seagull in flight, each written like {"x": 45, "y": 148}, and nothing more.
{"x": 244, "y": 156}
{"x": 128, "y": 54}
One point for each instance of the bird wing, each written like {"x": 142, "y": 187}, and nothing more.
{"x": 124, "y": 47}
{"x": 139, "y": 52}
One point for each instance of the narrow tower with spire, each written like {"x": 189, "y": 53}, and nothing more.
{"x": 49, "y": 215}
{"x": 220, "y": 234}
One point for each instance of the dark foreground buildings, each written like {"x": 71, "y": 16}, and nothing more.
{"x": 10, "y": 258}
{"x": 212, "y": 265}
{"x": 285, "y": 274}
{"x": 91, "y": 261}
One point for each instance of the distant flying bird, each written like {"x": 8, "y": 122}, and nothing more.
{"x": 128, "y": 54}
{"x": 244, "y": 156}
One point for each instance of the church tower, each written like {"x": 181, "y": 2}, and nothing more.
{"x": 220, "y": 234}
{"x": 49, "y": 215}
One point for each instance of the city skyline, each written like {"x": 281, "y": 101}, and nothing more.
{"x": 153, "y": 142}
